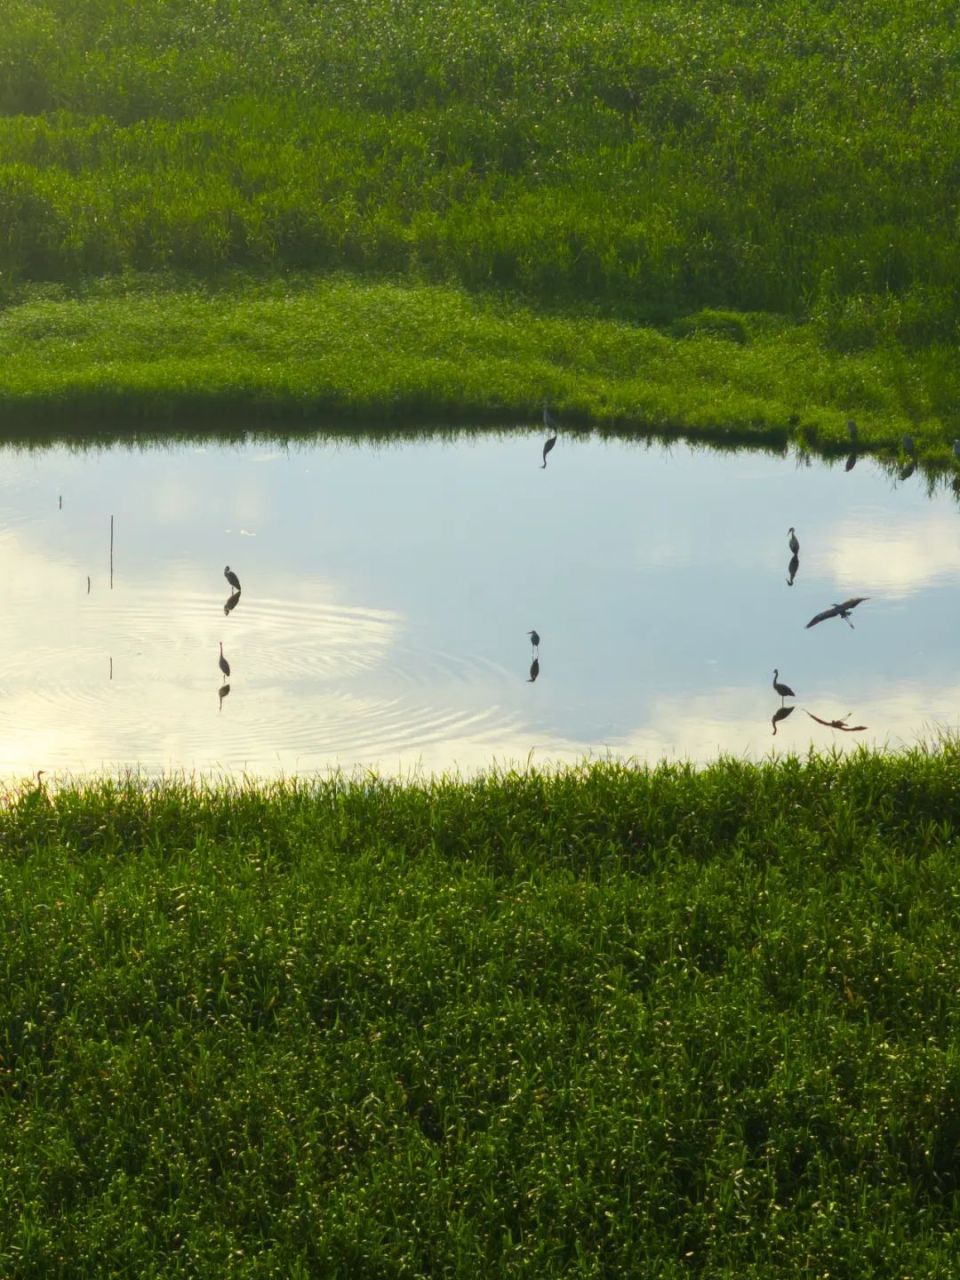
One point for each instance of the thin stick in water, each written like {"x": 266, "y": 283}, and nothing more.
{"x": 111, "y": 553}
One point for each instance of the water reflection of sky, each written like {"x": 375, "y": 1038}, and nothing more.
{"x": 387, "y": 593}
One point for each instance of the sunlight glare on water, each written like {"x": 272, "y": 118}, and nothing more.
{"x": 387, "y": 592}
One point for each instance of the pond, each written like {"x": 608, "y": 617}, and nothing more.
{"x": 388, "y": 591}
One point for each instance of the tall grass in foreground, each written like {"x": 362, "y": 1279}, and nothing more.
{"x": 303, "y": 351}
{"x": 604, "y": 1022}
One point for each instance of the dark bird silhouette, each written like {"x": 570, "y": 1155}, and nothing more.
{"x": 232, "y": 578}
{"x": 550, "y": 424}
{"x": 222, "y": 693}
{"x": 224, "y": 664}
{"x": 851, "y": 462}
{"x": 792, "y": 568}
{"x": 793, "y": 544}
{"x": 956, "y": 449}
{"x": 784, "y": 690}
{"x": 838, "y": 611}
{"x": 534, "y": 639}
{"x": 909, "y": 447}
{"x": 852, "y": 431}
{"x": 534, "y": 670}
{"x": 232, "y": 602}
{"x": 908, "y": 470}
{"x": 781, "y": 714}
{"x": 838, "y": 724}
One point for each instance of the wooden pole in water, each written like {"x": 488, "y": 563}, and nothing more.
{"x": 111, "y": 553}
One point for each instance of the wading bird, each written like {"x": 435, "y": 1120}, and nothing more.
{"x": 534, "y": 639}
{"x": 784, "y": 690}
{"x": 792, "y": 568}
{"x": 551, "y": 425}
{"x": 224, "y": 664}
{"x": 852, "y": 431}
{"x": 781, "y": 714}
{"x": 838, "y": 724}
{"x": 956, "y": 449}
{"x": 793, "y": 544}
{"x": 838, "y": 611}
{"x": 232, "y": 578}
{"x": 909, "y": 447}
{"x": 534, "y": 670}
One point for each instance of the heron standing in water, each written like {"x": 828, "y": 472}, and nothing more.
{"x": 793, "y": 543}
{"x": 224, "y": 664}
{"x": 784, "y": 690}
{"x": 232, "y": 578}
{"x": 534, "y": 639}
{"x": 550, "y": 424}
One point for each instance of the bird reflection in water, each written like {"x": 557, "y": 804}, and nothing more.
{"x": 781, "y": 713}
{"x": 792, "y": 568}
{"x": 908, "y": 470}
{"x": 534, "y": 670}
{"x": 550, "y": 424}
{"x": 232, "y": 603}
{"x": 222, "y": 693}
{"x": 838, "y": 724}
{"x": 854, "y": 441}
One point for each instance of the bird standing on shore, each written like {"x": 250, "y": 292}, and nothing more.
{"x": 224, "y": 664}
{"x": 232, "y": 578}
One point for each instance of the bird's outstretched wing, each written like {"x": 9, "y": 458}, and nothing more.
{"x": 822, "y": 617}
{"x": 818, "y": 720}
{"x": 852, "y": 602}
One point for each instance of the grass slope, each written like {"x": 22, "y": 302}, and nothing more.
{"x": 642, "y": 164}
{"x": 604, "y": 1022}
{"x": 303, "y": 351}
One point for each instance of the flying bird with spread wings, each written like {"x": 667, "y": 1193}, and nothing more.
{"x": 838, "y": 611}
{"x": 837, "y": 724}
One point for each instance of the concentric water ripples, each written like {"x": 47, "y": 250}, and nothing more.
{"x": 134, "y": 677}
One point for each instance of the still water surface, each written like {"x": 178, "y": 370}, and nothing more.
{"x": 387, "y": 592}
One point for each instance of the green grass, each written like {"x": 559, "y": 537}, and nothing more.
{"x": 647, "y": 157}
{"x": 604, "y": 1022}
{"x": 302, "y": 352}
{"x": 676, "y": 164}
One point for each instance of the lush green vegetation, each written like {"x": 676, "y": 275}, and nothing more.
{"x": 607, "y": 1022}
{"x": 645, "y": 163}
{"x": 295, "y": 351}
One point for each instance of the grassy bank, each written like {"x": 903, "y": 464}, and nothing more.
{"x": 706, "y": 169}
{"x": 606, "y": 1022}
{"x": 303, "y": 351}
